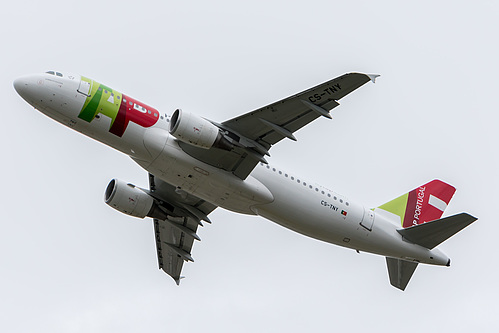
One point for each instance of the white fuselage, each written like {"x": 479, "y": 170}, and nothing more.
{"x": 268, "y": 191}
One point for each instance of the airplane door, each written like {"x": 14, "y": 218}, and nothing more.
{"x": 84, "y": 87}
{"x": 368, "y": 219}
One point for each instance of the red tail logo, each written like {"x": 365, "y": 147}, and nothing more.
{"x": 427, "y": 203}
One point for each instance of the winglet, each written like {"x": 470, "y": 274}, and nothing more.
{"x": 373, "y": 77}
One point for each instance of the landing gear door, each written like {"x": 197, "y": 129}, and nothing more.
{"x": 368, "y": 219}
{"x": 85, "y": 86}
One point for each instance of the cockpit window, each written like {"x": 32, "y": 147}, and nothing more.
{"x": 54, "y": 73}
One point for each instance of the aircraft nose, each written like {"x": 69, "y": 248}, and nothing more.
{"x": 27, "y": 87}
{"x": 20, "y": 84}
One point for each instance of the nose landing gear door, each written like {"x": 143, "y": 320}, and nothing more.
{"x": 85, "y": 86}
{"x": 368, "y": 219}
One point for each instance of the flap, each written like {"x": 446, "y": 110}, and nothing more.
{"x": 176, "y": 234}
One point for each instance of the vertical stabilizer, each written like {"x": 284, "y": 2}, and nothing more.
{"x": 400, "y": 272}
{"x": 423, "y": 204}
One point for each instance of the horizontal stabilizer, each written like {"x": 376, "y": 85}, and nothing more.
{"x": 430, "y": 234}
{"x": 400, "y": 272}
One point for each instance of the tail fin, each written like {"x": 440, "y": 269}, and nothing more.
{"x": 423, "y": 204}
{"x": 400, "y": 272}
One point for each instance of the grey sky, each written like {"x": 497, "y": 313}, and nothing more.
{"x": 70, "y": 263}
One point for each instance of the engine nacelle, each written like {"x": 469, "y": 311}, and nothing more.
{"x": 131, "y": 200}
{"x": 194, "y": 130}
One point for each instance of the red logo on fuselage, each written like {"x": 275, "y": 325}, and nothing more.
{"x": 134, "y": 111}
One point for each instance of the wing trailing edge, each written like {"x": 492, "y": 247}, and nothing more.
{"x": 176, "y": 233}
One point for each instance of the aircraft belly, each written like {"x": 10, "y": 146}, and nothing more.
{"x": 310, "y": 212}
{"x": 206, "y": 182}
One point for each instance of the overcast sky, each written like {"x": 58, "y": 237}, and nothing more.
{"x": 70, "y": 263}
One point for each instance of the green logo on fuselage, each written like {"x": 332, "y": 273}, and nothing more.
{"x": 120, "y": 108}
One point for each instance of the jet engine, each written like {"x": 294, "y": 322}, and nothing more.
{"x": 131, "y": 200}
{"x": 196, "y": 131}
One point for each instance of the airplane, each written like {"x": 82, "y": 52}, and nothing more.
{"x": 196, "y": 165}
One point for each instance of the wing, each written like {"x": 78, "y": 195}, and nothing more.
{"x": 253, "y": 133}
{"x": 176, "y": 233}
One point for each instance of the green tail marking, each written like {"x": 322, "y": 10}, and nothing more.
{"x": 397, "y": 206}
